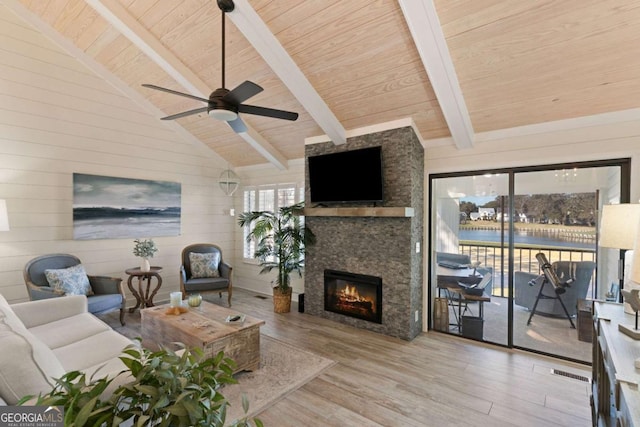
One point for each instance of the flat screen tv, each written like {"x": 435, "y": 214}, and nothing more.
{"x": 347, "y": 176}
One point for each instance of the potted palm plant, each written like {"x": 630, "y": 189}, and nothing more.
{"x": 280, "y": 238}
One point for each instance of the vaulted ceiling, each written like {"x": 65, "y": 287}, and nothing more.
{"x": 456, "y": 68}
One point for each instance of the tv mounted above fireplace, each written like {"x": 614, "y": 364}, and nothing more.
{"x": 347, "y": 176}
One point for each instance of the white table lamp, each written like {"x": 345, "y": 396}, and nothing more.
{"x": 618, "y": 230}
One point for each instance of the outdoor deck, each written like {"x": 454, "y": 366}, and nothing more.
{"x": 545, "y": 334}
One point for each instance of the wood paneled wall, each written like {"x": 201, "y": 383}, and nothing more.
{"x": 57, "y": 118}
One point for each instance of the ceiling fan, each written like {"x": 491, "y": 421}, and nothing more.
{"x": 224, "y": 104}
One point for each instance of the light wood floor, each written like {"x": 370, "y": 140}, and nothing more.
{"x": 434, "y": 380}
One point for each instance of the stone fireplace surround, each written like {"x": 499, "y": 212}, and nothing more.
{"x": 383, "y": 246}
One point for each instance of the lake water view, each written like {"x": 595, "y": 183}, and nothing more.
{"x": 529, "y": 237}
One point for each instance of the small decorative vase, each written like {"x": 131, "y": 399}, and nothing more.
{"x": 145, "y": 266}
{"x": 194, "y": 300}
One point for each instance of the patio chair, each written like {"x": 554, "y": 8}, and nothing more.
{"x": 527, "y": 287}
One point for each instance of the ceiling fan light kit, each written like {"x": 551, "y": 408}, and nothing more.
{"x": 223, "y": 104}
{"x": 223, "y": 115}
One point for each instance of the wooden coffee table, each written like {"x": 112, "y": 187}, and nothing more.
{"x": 204, "y": 327}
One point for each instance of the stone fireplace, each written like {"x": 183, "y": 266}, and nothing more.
{"x": 380, "y": 241}
{"x": 355, "y": 295}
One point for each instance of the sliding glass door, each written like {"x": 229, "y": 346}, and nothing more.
{"x": 492, "y": 234}
{"x": 470, "y": 230}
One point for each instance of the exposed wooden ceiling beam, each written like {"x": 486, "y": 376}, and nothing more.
{"x": 256, "y": 31}
{"x": 423, "y": 22}
{"x": 116, "y": 15}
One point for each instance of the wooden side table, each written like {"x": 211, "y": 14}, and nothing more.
{"x": 144, "y": 297}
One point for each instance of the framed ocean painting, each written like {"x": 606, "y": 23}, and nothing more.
{"x": 107, "y": 207}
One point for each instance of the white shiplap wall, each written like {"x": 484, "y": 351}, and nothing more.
{"x": 57, "y": 117}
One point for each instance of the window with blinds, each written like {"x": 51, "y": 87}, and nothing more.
{"x": 267, "y": 198}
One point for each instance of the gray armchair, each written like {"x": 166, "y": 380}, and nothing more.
{"x": 526, "y": 293}
{"x": 190, "y": 284}
{"x": 108, "y": 292}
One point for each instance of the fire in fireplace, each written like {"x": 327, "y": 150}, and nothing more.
{"x": 355, "y": 295}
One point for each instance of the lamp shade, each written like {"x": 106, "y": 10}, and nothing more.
{"x": 4, "y": 216}
{"x": 619, "y": 226}
{"x": 635, "y": 264}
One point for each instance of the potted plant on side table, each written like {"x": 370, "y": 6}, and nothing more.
{"x": 145, "y": 250}
{"x": 280, "y": 239}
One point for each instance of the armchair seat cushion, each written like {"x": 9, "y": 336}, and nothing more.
{"x": 99, "y": 304}
{"x": 206, "y": 284}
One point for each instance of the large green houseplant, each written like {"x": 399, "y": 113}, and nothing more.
{"x": 280, "y": 238}
{"x": 161, "y": 388}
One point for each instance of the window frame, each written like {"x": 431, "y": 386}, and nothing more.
{"x": 252, "y": 195}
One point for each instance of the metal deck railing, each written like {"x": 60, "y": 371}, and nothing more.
{"x": 496, "y": 256}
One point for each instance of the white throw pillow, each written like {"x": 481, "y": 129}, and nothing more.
{"x": 71, "y": 281}
{"x": 204, "y": 265}
{"x": 27, "y": 366}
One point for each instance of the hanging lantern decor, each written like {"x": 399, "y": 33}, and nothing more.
{"x": 228, "y": 181}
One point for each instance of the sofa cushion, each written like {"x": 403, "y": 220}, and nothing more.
{"x": 27, "y": 366}
{"x": 72, "y": 280}
{"x": 204, "y": 264}
{"x": 93, "y": 351}
{"x": 60, "y": 333}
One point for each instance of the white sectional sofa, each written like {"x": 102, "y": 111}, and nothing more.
{"x": 41, "y": 340}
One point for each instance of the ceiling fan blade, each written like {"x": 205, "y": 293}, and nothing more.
{"x": 267, "y": 112}
{"x": 186, "y": 95}
{"x": 242, "y": 92}
{"x": 186, "y": 113}
{"x": 238, "y": 125}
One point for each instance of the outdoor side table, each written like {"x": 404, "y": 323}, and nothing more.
{"x": 144, "y": 296}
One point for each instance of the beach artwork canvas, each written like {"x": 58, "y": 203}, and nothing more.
{"x": 107, "y": 207}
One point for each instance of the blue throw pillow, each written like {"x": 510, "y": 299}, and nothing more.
{"x": 71, "y": 281}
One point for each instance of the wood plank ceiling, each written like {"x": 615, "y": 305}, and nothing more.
{"x": 518, "y": 62}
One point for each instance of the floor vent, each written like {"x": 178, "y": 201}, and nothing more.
{"x": 261, "y": 297}
{"x": 570, "y": 375}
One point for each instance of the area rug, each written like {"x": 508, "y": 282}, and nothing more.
{"x": 283, "y": 369}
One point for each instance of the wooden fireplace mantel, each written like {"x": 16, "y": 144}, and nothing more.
{"x": 402, "y": 212}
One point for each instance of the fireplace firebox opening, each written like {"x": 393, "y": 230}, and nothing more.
{"x": 355, "y": 295}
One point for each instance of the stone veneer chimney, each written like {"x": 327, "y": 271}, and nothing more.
{"x": 376, "y": 246}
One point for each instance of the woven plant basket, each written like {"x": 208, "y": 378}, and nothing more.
{"x": 281, "y": 300}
